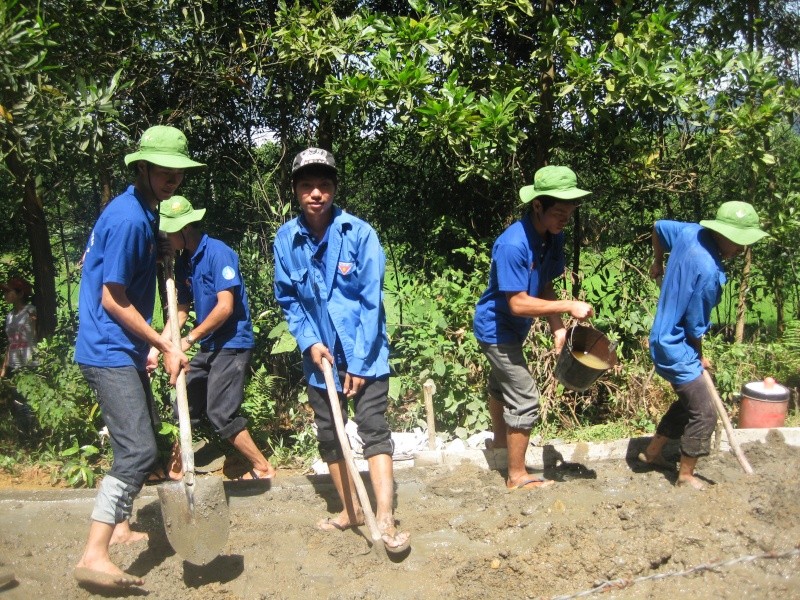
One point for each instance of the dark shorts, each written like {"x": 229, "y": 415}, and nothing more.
{"x": 370, "y": 416}
{"x": 215, "y": 386}
{"x": 510, "y": 383}
{"x": 692, "y": 417}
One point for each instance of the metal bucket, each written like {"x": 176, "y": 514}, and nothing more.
{"x": 764, "y": 405}
{"x": 586, "y": 355}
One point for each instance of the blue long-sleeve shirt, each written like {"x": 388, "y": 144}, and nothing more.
{"x": 336, "y": 300}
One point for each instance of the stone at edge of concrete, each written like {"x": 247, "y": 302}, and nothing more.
{"x": 582, "y": 452}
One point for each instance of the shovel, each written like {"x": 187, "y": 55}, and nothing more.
{"x": 195, "y": 510}
{"x": 361, "y": 490}
{"x": 723, "y": 415}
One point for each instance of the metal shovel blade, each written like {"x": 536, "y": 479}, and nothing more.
{"x": 198, "y": 530}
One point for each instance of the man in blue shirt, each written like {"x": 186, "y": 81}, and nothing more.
{"x": 526, "y": 258}
{"x": 691, "y": 288}
{"x": 329, "y": 269}
{"x": 207, "y": 273}
{"x": 117, "y": 296}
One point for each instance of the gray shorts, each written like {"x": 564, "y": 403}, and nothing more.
{"x": 510, "y": 383}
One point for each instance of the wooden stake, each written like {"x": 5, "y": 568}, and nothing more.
{"x": 428, "y": 390}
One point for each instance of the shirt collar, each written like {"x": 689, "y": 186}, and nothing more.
{"x": 201, "y": 247}
{"x": 302, "y": 226}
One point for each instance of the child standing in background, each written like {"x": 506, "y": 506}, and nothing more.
{"x": 21, "y": 332}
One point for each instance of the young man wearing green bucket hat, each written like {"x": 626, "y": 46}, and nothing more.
{"x": 117, "y": 296}
{"x": 207, "y": 276}
{"x": 691, "y": 288}
{"x": 526, "y": 258}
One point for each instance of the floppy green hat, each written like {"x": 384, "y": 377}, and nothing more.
{"x": 164, "y": 146}
{"x": 176, "y": 213}
{"x": 556, "y": 182}
{"x": 737, "y": 221}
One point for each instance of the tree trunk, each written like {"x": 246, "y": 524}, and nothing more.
{"x": 44, "y": 277}
{"x": 44, "y": 281}
{"x": 576, "y": 253}
{"x": 741, "y": 307}
{"x": 546, "y": 77}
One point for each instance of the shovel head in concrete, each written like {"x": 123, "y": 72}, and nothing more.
{"x": 197, "y": 523}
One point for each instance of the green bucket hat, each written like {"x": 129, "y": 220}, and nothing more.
{"x": 737, "y": 221}
{"x": 176, "y": 213}
{"x": 557, "y": 182}
{"x": 164, "y": 146}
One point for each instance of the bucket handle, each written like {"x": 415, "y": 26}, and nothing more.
{"x": 612, "y": 344}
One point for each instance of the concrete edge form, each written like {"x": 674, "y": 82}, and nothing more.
{"x": 537, "y": 457}
{"x": 548, "y": 455}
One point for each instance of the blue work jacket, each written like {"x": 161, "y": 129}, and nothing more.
{"x": 340, "y": 299}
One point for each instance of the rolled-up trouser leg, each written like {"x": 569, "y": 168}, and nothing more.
{"x": 692, "y": 418}
{"x": 370, "y": 416}
{"x": 114, "y": 501}
{"x": 128, "y": 410}
{"x": 511, "y": 383}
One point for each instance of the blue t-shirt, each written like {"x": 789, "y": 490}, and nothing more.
{"x": 691, "y": 288}
{"x": 214, "y": 267}
{"x": 522, "y": 261}
{"x": 122, "y": 249}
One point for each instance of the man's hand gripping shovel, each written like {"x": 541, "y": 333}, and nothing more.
{"x": 194, "y": 509}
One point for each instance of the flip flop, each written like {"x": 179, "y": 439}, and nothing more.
{"x": 328, "y": 524}
{"x": 400, "y": 548}
{"x": 533, "y": 483}
{"x": 89, "y": 577}
{"x": 254, "y": 476}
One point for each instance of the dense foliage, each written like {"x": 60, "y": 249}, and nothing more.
{"x": 437, "y": 112}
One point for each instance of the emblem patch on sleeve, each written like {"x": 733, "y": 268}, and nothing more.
{"x": 228, "y": 273}
{"x": 345, "y": 267}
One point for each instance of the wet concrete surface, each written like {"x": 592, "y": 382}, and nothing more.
{"x": 606, "y": 523}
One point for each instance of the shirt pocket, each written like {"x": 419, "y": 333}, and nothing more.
{"x": 302, "y": 284}
{"x": 347, "y": 276}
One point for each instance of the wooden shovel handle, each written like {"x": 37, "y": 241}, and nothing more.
{"x": 361, "y": 490}
{"x": 184, "y": 423}
{"x": 723, "y": 415}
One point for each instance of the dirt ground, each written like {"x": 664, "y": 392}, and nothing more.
{"x": 604, "y": 522}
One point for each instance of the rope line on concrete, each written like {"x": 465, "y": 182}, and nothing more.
{"x": 624, "y": 583}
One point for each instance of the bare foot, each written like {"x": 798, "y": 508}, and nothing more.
{"x": 340, "y": 523}
{"x": 175, "y": 467}
{"x": 691, "y": 482}
{"x": 657, "y": 461}
{"x": 123, "y": 534}
{"x": 105, "y": 574}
